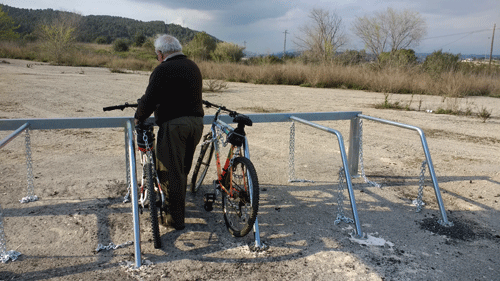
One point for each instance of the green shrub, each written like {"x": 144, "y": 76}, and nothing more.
{"x": 120, "y": 45}
{"x": 227, "y": 52}
{"x": 438, "y": 62}
{"x": 139, "y": 39}
{"x": 351, "y": 57}
{"x": 102, "y": 40}
{"x": 399, "y": 58}
{"x": 200, "y": 47}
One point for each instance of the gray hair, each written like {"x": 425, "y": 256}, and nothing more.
{"x": 167, "y": 44}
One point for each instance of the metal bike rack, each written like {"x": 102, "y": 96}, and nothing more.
{"x": 345, "y": 163}
{"x": 437, "y": 191}
{"x": 350, "y": 161}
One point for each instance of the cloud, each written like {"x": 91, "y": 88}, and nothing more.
{"x": 231, "y": 12}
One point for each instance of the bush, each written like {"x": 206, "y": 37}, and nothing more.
{"x": 139, "y": 40}
{"x": 120, "y": 45}
{"x": 399, "y": 58}
{"x": 351, "y": 57}
{"x": 227, "y": 52}
{"x": 264, "y": 60}
{"x": 438, "y": 62}
{"x": 200, "y": 47}
{"x": 102, "y": 40}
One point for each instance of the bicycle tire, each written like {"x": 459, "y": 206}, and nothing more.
{"x": 203, "y": 163}
{"x": 243, "y": 178}
{"x": 153, "y": 207}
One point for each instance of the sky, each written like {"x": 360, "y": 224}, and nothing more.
{"x": 270, "y": 26}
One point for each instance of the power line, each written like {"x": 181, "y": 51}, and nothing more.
{"x": 449, "y": 35}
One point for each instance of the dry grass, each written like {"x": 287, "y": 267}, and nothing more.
{"x": 402, "y": 80}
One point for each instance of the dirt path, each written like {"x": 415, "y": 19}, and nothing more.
{"x": 80, "y": 179}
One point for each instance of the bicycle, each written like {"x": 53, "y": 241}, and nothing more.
{"x": 237, "y": 180}
{"x": 150, "y": 192}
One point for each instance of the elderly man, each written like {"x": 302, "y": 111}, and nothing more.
{"x": 174, "y": 94}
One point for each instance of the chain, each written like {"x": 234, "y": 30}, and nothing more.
{"x": 5, "y": 255}
{"x": 29, "y": 164}
{"x": 291, "y": 157}
{"x": 361, "y": 163}
{"x": 340, "y": 201}
{"x": 112, "y": 246}
{"x": 418, "y": 202}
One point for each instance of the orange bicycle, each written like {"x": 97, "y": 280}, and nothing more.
{"x": 236, "y": 180}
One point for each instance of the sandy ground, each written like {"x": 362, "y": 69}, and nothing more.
{"x": 80, "y": 180}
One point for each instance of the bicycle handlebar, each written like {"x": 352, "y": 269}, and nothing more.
{"x": 121, "y": 107}
{"x": 232, "y": 113}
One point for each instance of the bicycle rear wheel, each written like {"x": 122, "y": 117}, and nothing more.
{"x": 153, "y": 203}
{"x": 201, "y": 168}
{"x": 240, "y": 208}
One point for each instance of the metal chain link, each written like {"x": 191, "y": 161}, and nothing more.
{"x": 5, "y": 255}
{"x": 361, "y": 163}
{"x": 112, "y": 246}
{"x": 340, "y": 200}
{"x": 291, "y": 154}
{"x": 291, "y": 158}
{"x": 418, "y": 202}
{"x": 29, "y": 164}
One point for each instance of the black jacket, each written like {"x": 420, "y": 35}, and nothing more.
{"x": 174, "y": 90}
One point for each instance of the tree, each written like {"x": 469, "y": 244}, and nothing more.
{"x": 200, "y": 47}
{"x": 227, "y": 52}
{"x": 59, "y": 36}
{"x": 7, "y": 27}
{"x": 323, "y": 36}
{"x": 390, "y": 30}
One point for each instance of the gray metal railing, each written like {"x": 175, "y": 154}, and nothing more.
{"x": 437, "y": 191}
{"x": 349, "y": 161}
{"x": 345, "y": 163}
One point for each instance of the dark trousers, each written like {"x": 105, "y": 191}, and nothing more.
{"x": 177, "y": 141}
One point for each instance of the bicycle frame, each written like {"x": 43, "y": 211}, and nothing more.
{"x": 234, "y": 151}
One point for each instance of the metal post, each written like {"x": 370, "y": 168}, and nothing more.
{"x": 354, "y": 140}
{"x": 256, "y": 224}
{"x": 444, "y": 221}
{"x": 345, "y": 163}
{"x": 133, "y": 180}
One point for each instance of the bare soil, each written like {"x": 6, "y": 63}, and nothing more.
{"x": 80, "y": 180}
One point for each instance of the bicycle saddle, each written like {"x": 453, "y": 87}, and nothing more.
{"x": 242, "y": 119}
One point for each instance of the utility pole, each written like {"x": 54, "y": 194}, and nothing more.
{"x": 492, "y": 37}
{"x": 284, "y": 47}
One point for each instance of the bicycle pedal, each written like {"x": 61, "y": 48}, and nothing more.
{"x": 209, "y": 197}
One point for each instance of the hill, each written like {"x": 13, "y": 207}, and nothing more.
{"x": 91, "y": 27}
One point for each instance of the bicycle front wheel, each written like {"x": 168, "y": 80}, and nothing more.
{"x": 241, "y": 204}
{"x": 153, "y": 203}
{"x": 201, "y": 168}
